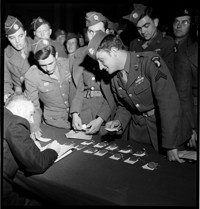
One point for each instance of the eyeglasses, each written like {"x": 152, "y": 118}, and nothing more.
{"x": 43, "y": 31}
{"x": 183, "y": 22}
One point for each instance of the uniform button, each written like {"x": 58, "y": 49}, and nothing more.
{"x": 67, "y": 109}
{"x": 21, "y": 78}
{"x": 93, "y": 78}
{"x": 92, "y": 88}
{"x": 47, "y": 90}
{"x": 60, "y": 86}
{"x": 137, "y": 55}
{"x": 63, "y": 94}
{"x": 137, "y": 105}
{"x": 66, "y": 102}
{"x": 120, "y": 88}
{"x": 130, "y": 95}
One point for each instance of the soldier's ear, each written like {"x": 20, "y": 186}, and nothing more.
{"x": 50, "y": 31}
{"x": 25, "y": 32}
{"x": 156, "y": 21}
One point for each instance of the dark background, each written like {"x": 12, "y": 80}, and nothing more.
{"x": 70, "y": 15}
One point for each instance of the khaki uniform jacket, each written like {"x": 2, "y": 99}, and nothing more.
{"x": 149, "y": 86}
{"x": 59, "y": 48}
{"x": 15, "y": 66}
{"x": 163, "y": 45}
{"x": 52, "y": 93}
{"x": 86, "y": 76}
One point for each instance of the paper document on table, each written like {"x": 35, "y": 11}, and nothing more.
{"x": 65, "y": 150}
{"x": 187, "y": 154}
{"x": 78, "y": 135}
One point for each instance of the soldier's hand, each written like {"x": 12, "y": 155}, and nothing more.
{"x": 113, "y": 125}
{"x": 76, "y": 122}
{"x": 173, "y": 156}
{"x": 94, "y": 126}
{"x": 193, "y": 141}
{"x": 6, "y": 96}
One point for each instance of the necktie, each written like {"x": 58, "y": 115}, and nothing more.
{"x": 124, "y": 77}
{"x": 23, "y": 54}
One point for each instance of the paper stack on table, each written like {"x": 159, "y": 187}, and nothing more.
{"x": 188, "y": 154}
{"x": 78, "y": 135}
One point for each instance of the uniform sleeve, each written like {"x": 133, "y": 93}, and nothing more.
{"x": 167, "y": 99}
{"x": 24, "y": 149}
{"x": 108, "y": 106}
{"x": 31, "y": 91}
{"x": 8, "y": 84}
{"x": 168, "y": 56}
{"x": 183, "y": 81}
{"x": 77, "y": 100}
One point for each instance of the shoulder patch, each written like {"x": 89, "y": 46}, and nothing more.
{"x": 156, "y": 61}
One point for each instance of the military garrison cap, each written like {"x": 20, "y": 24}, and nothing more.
{"x": 39, "y": 44}
{"x": 70, "y": 36}
{"x": 12, "y": 25}
{"x": 182, "y": 12}
{"x": 92, "y": 18}
{"x": 95, "y": 42}
{"x": 37, "y": 22}
{"x": 60, "y": 32}
{"x": 136, "y": 14}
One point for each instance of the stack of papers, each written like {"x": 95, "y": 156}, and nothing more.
{"x": 65, "y": 150}
{"x": 78, "y": 135}
{"x": 188, "y": 154}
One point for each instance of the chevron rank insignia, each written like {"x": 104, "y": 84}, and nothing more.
{"x": 156, "y": 60}
{"x": 160, "y": 75}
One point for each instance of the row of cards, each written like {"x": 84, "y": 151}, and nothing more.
{"x": 117, "y": 156}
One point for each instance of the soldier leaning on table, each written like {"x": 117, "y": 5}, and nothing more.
{"x": 147, "y": 100}
{"x": 20, "y": 151}
{"x": 16, "y": 56}
{"x": 47, "y": 84}
{"x": 88, "y": 102}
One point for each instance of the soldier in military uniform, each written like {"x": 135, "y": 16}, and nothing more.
{"x": 60, "y": 36}
{"x": 182, "y": 29}
{"x": 185, "y": 71}
{"x": 147, "y": 100}
{"x": 16, "y": 56}
{"x": 146, "y": 21}
{"x": 42, "y": 29}
{"x": 48, "y": 83}
{"x": 88, "y": 104}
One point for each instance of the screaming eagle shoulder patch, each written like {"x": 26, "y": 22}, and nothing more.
{"x": 156, "y": 61}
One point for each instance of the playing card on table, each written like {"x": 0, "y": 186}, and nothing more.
{"x": 131, "y": 160}
{"x": 116, "y": 156}
{"x": 112, "y": 147}
{"x": 150, "y": 166}
{"x": 126, "y": 150}
{"x": 101, "y": 144}
{"x": 87, "y": 142}
{"x": 90, "y": 150}
{"x": 101, "y": 152}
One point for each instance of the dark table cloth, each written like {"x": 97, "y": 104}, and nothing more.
{"x": 81, "y": 178}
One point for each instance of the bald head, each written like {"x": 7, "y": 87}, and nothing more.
{"x": 21, "y": 106}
